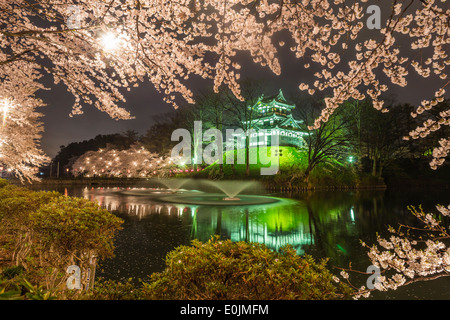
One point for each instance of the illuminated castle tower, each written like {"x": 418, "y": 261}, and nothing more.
{"x": 274, "y": 116}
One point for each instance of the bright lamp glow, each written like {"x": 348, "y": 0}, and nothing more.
{"x": 5, "y": 106}
{"x": 110, "y": 41}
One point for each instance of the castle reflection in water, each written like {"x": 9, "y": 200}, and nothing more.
{"x": 329, "y": 224}
{"x": 275, "y": 225}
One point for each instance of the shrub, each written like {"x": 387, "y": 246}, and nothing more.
{"x": 45, "y": 232}
{"x": 72, "y": 231}
{"x": 111, "y": 290}
{"x": 70, "y": 224}
{"x": 16, "y": 204}
{"x": 239, "y": 270}
{"x": 11, "y": 272}
{"x": 3, "y": 183}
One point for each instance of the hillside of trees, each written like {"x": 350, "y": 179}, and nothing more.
{"x": 357, "y": 136}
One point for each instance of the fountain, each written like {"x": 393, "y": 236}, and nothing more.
{"x": 231, "y": 195}
{"x": 231, "y": 188}
{"x": 173, "y": 184}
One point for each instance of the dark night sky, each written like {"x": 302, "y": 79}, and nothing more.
{"x": 145, "y": 103}
{"x": 59, "y": 129}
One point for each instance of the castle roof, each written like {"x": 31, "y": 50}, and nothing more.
{"x": 274, "y": 120}
{"x": 278, "y": 98}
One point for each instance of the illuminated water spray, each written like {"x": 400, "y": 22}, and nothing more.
{"x": 231, "y": 188}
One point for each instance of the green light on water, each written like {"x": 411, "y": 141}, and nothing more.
{"x": 342, "y": 249}
{"x": 281, "y": 221}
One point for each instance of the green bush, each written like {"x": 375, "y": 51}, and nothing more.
{"x": 16, "y": 204}
{"x": 10, "y": 294}
{"x": 71, "y": 231}
{"x": 45, "y": 232}
{"x": 3, "y": 183}
{"x": 239, "y": 270}
{"x": 70, "y": 225}
{"x": 111, "y": 290}
{"x": 11, "y": 272}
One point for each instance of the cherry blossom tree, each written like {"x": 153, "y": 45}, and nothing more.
{"x": 20, "y": 127}
{"x": 135, "y": 162}
{"x": 410, "y": 254}
{"x": 97, "y": 48}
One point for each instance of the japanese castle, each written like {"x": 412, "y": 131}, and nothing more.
{"x": 274, "y": 116}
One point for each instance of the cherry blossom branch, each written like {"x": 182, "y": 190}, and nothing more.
{"x": 400, "y": 262}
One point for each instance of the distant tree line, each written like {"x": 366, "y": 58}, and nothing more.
{"x": 372, "y": 140}
{"x": 68, "y": 154}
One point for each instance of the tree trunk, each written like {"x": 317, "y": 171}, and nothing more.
{"x": 307, "y": 173}
{"x": 380, "y": 169}
{"x": 374, "y": 166}
{"x": 219, "y": 127}
{"x": 247, "y": 156}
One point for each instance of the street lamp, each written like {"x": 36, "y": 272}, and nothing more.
{"x": 110, "y": 41}
{"x": 5, "y": 106}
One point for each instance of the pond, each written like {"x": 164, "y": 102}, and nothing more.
{"x": 322, "y": 224}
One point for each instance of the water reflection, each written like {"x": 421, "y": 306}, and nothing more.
{"x": 323, "y": 224}
{"x": 275, "y": 225}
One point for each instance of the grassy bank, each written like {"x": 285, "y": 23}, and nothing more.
{"x": 289, "y": 177}
{"x": 331, "y": 175}
{"x": 291, "y": 167}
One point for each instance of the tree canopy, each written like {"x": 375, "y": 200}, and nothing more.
{"x": 97, "y": 49}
